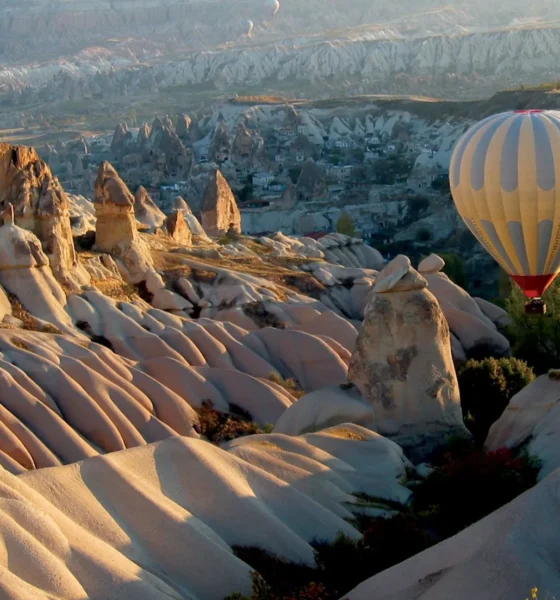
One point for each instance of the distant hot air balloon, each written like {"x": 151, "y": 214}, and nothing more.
{"x": 248, "y": 26}
{"x": 272, "y": 5}
{"x": 505, "y": 181}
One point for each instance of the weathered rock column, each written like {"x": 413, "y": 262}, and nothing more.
{"x": 114, "y": 210}
{"x": 219, "y": 209}
{"x": 402, "y": 363}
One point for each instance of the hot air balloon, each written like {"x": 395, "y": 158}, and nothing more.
{"x": 273, "y": 6}
{"x": 505, "y": 181}
{"x": 248, "y": 26}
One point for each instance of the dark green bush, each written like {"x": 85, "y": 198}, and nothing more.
{"x": 423, "y": 235}
{"x": 464, "y": 490}
{"x": 454, "y": 268}
{"x": 346, "y": 225}
{"x": 341, "y": 565}
{"x": 486, "y": 388}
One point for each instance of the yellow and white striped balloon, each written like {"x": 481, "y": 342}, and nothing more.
{"x": 505, "y": 181}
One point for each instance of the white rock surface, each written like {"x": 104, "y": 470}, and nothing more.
{"x": 505, "y": 555}
{"x": 533, "y": 417}
{"x": 402, "y": 362}
{"x": 324, "y": 408}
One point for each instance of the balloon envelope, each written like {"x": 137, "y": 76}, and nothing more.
{"x": 272, "y": 5}
{"x": 505, "y": 181}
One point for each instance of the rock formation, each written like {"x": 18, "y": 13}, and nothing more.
{"x": 178, "y": 158}
{"x": 123, "y": 141}
{"x": 181, "y": 204}
{"x": 95, "y": 510}
{"x": 156, "y": 127}
{"x": 219, "y": 209}
{"x": 503, "y": 555}
{"x": 168, "y": 123}
{"x": 143, "y": 139}
{"x": 402, "y": 363}
{"x": 116, "y": 229}
{"x": 146, "y": 212}
{"x": 221, "y": 142}
{"x": 178, "y": 229}
{"x": 243, "y": 144}
{"x": 532, "y": 419}
{"x": 41, "y": 206}
{"x": 182, "y": 126}
{"x": 468, "y": 323}
{"x": 289, "y": 198}
{"x": 114, "y": 209}
{"x": 25, "y": 273}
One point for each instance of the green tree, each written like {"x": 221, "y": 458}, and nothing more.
{"x": 246, "y": 193}
{"x": 423, "y": 235}
{"x": 359, "y": 154}
{"x": 454, "y": 268}
{"x": 294, "y": 174}
{"x": 416, "y": 206}
{"x": 345, "y": 225}
{"x": 486, "y": 388}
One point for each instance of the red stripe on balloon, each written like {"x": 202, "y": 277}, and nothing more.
{"x": 533, "y": 286}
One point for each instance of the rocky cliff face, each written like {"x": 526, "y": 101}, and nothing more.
{"x": 486, "y": 60}
{"x": 419, "y": 41}
{"x": 40, "y": 205}
{"x": 114, "y": 209}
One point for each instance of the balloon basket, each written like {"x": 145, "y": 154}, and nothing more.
{"x": 535, "y": 307}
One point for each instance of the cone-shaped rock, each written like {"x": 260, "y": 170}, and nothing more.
{"x": 114, "y": 209}
{"x": 40, "y": 205}
{"x": 178, "y": 229}
{"x": 402, "y": 363}
{"x": 146, "y": 211}
{"x": 220, "y": 213}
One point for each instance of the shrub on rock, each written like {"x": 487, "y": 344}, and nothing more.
{"x": 486, "y": 388}
{"x": 464, "y": 490}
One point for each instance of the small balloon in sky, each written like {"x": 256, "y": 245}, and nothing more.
{"x": 248, "y": 26}
{"x": 273, "y": 6}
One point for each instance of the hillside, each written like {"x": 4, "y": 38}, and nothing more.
{"x": 173, "y": 402}
{"x": 149, "y": 52}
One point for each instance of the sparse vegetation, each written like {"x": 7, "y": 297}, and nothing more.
{"x": 463, "y": 488}
{"x": 454, "y": 268}
{"x": 201, "y": 276}
{"x": 345, "y": 225}
{"x": 218, "y": 427}
{"x": 290, "y": 385}
{"x": 258, "y": 312}
{"x": 305, "y": 283}
{"x": 30, "y": 323}
{"x": 416, "y": 206}
{"x": 229, "y": 238}
{"x": 466, "y": 488}
{"x": 50, "y": 328}
{"x": 19, "y": 343}
{"x": 486, "y": 388}
{"x": 423, "y": 235}
{"x": 116, "y": 289}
